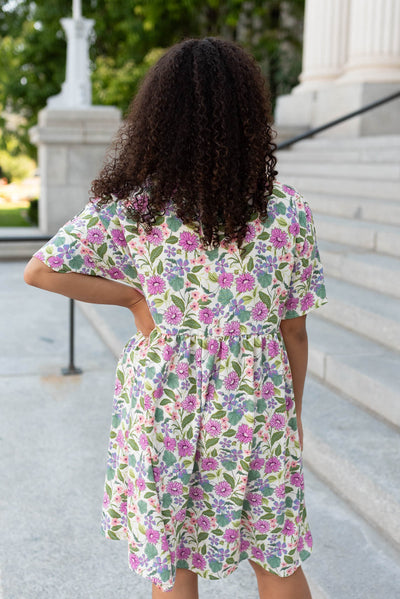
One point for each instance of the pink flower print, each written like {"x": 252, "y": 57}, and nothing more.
{"x": 260, "y": 311}
{"x": 267, "y": 390}
{"x": 155, "y": 236}
{"x": 306, "y": 274}
{"x": 120, "y": 439}
{"x": 198, "y": 561}
{"x": 206, "y": 315}
{"x": 257, "y": 553}
{"x": 168, "y": 352}
{"x": 280, "y": 491}
{"x": 232, "y": 328}
{"x": 123, "y": 508}
{"x": 288, "y": 528}
{"x": 196, "y": 493}
{"x": 225, "y": 280}
{"x": 291, "y": 303}
{"x": 277, "y": 421}
{"x": 278, "y": 237}
{"x": 117, "y": 387}
{"x": 230, "y": 535}
{"x": 209, "y": 464}
{"x": 155, "y": 285}
{"x": 115, "y": 273}
{"x": 204, "y": 522}
{"x": 95, "y": 236}
{"x": 141, "y": 485}
{"x": 143, "y": 442}
{"x": 300, "y": 544}
{"x": 245, "y": 282}
{"x": 232, "y": 380}
{"x": 55, "y": 262}
{"x": 262, "y": 526}
{"x": 133, "y": 561}
{"x": 182, "y": 370}
{"x": 170, "y": 443}
{"x": 152, "y": 535}
{"x": 106, "y": 500}
{"x": 308, "y": 539}
{"x": 307, "y": 302}
{"x": 189, "y": 403}
{"x": 272, "y": 465}
{"x": 251, "y": 233}
{"x": 257, "y": 463}
{"x": 254, "y": 498}
{"x": 175, "y": 487}
{"x": 185, "y": 447}
{"x": 118, "y": 237}
{"x": 213, "y": 427}
{"x": 294, "y": 229}
{"x": 213, "y": 346}
{"x": 273, "y": 349}
{"x": 297, "y": 480}
{"x": 223, "y": 489}
{"x": 223, "y": 350}
{"x": 188, "y": 241}
{"x": 244, "y": 433}
{"x": 173, "y": 315}
{"x": 147, "y": 402}
{"x": 182, "y": 552}
{"x": 130, "y": 489}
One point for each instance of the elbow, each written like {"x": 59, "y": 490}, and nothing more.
{"x": 32, "y": 272}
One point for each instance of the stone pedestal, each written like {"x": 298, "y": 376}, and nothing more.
{"x": 72, "y": 145}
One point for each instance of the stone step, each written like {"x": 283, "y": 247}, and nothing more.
{"x": 364, "y": 311}
{"x": 364, "y": 371}
{"x": 355, "y": 454}
{"x": 302, "y": 166}
{"x": 376, "y": 142}
{"x": 360, "y": 234}
{"x": 377, "y": 210}
{"x": 367, "y": 269}
{"x": 339, "y": 155}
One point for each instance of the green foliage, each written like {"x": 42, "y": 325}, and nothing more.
{"x": 129, "y": 37}
{"x": 15, "y": 168}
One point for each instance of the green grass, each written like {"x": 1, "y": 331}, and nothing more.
{"x": 13, "y": 217}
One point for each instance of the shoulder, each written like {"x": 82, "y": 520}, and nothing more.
{"x": 287, "y": 196}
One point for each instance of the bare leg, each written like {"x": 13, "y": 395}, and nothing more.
{"x": 272, "y": 586}
{"x": 185, "y": 587}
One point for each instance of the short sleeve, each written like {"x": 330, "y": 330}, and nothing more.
{"x": 307, "y": 285}
{"x": 92, "y": 243}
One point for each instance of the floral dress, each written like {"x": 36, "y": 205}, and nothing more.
{"x": 204, "y": 460}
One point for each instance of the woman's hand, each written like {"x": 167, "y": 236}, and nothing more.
{"x": 143, "y": 319}
{"x": 300, "y": 429}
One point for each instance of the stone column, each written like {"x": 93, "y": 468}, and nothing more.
{"x": 374, "y": 42}
{"x": 325, "y": 42}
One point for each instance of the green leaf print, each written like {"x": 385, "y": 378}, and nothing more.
{"x": 158, "y": 415}
{"x": 172, "y": 239}
{"x": 76, "y": 263}
{"x": 173, "y": 380}
{"x": 177, "y": 283}
{"x": 293, "y": 423}
{"x": 281, "y": 208}
{"x": 197, "y": 268}
{"x": 278, "y": 193}
{"x": 178, "y": 302}
{"x": 211, "y": 442}
{"x": 229, "y": 465}
{"x": 153, "y": 356}
{"x": 102, "y": 250}
{"x": 222, "y": 520}
{"x": 237, "y": 369}
{"x": 244, "y": 315}
{"x": 166, "y": 500}
{"x": 169, "y": 459}
{"x": 215, "y": 566}
{"x": 234, "y": 417}
{"x": 202, "y": 536}
{"x": 229, "y": 479}
{"x": 250, "y": 265}
{"x": 264, "y": 280}
{"x": 173, "y": 223}
{"x": 150, "y": 550}
{"x": 213, "y": 254}
{"x": 160, "y": 268}
{"x": 191, "y": 324}
{"x": 276, "y": 437}
{"x": 213, "y": 277}
{"x": 142, "y": 505}
{"x": 304, "y": 554}
{"x": 187, "y": 420}
{"x": 113, "y": 513}
{"x": 321, "y": 291}
{"x": 274, "y": 561}
{"x": 225, "y": 296}
{"x": 155, "y": 253}
{"x": 193, "y": 279}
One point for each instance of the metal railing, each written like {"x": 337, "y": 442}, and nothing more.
{"x": 71, "y": 368}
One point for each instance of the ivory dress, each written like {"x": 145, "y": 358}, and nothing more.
{"x": 204, "y": 460}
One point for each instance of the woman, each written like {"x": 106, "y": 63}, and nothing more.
{"x": 220, "y": 267}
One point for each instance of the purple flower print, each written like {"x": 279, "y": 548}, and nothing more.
{"x": 213, "y": 346}
{"x": 278, "y": 237}
{"x": 300, "y": 544}
{"x": 251, "y": 233}
{"x": 209, "y": 464}
{"x": 189, "y": 403}
{"x": 210, "y": 392}
{"x": 291, "y": 303}
{"x": 118, "y": 237}
{"x": 196, "y": 493}
{"x": 143, "y": 442}
{"x": 289, "y": 402}
{"x": 289, "y": 190}
{"x": 288, "y": 528}
{"x": 152, "y": 535}
{"x": 306, "y": 274}
{"x": 230, "y": 535}
{"x": 294, "y": 229}
{"x": 182, "y": 552}
{"x": 182, "y": 370}
{"x": 204, "y": 522}
{"x": 273, "y": 348}
{"x": 271, "y": 263}
{"x": 260, "y": 311}
{"x": 168, "y": 352}
{"x": 188, "y": 241}
{"x": 223, "y": 489}
{"x": 89, "y": 262}
{"x": 174, "y": 487}
{"x": 232, "y": 380}
{"x": 307, "y": 210}
{"x": 115, "y": 273}
{"x": 180, "y": 516}
{"x": 280, "y": 491}
{"x": 55, "y": 262}
{"x": 232, "y": 328}
{"x": 307, "y": 302}
{"x": 262, "y": 526}
{"x": 257, "y": 553}
{"x": 297, "y": 480}
{"x": 254, "y": 498}
{"x": 156, "y": 473}
{"x": 277, "y": 421}
{"x": 173, "y": 315}
{"x": 133, "y": 561}
{"x": 257, "y": 463}
{"x": 245, "y": 282}
{"x": 272, "y": 465}
{"x": 180, "y": 267}
{"x": 198, "y": 561}
{"x": 185, "y": 447}
{"x": 213, "y": 428}
{"x": 141, "y": 485}
{"x": 106, "y": 500}
{"x": 267, "y": 390}
{"x": 155, "y": 285}
{"x": 169, "y": 443}
{"x": 308, "y": 539}
{"x": 225, "y": 280}
{"x": 206, "y": 315}
{"x": 95, "y": 236}
{"x": 244, "y": 433}
{"x": 223, "y": 350}
{"x": 155, "y": 236}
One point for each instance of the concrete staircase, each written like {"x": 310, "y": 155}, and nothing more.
{"x": 351, "y": 408}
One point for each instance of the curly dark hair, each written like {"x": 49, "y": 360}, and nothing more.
{"x": 198, "y": 133}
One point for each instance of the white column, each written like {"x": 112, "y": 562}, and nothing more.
{"x": 374, "y": 41}
{"x": 324, "y": 42}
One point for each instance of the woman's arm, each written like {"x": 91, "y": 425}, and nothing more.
{"x": 294, "y": 334}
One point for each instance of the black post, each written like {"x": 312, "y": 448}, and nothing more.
{"x": 71, "y": 369}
